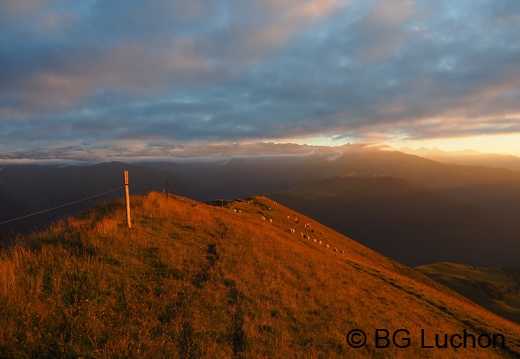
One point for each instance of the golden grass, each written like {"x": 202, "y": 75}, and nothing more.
{"x": 195, "y": 281}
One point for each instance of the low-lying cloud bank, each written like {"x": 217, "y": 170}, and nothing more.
{"x": 200, "y": 71}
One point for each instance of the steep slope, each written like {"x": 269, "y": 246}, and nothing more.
{"x": 408, "y": 223}
{"x": 497, "y": 289}
{"x": 198, "y": 281}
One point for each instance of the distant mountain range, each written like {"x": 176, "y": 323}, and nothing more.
{"x": 494, "y": 188}
{"x": 411, "y": 199}
{"x": 467, "y": 157}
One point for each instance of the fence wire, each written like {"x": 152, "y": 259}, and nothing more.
{"x": 61, "y": 205}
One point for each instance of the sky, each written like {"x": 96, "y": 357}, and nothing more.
{"x": 120, "y": 77}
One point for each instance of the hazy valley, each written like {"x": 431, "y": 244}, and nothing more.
{"x": 408, "y": 207}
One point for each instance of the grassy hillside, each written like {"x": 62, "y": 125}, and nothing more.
{"x": 191, "y": 280}
{"x": 497, "y": 289}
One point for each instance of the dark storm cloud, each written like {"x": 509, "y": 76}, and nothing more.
{"x": 203, "y": 70}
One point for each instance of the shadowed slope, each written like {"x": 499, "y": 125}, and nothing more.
{"x": 497, "y": 289}
{"x": 192, "y": 280}
{"x": 406, "y": 222}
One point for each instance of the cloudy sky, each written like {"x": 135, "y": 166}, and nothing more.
{"x": 123, "y": 75}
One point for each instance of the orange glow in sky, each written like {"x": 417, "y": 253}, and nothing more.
{"x": 503, "y": 144}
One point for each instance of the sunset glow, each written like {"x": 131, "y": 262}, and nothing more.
{"x": 107, "y": 77}
{"x": 501, "y": 144}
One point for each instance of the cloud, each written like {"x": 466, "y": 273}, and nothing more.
{"x": 383, "y": 29}
{"x": 284, "y": 19}
{"x": 233, "y": 70}
{"x": 152, "y": 49}
{"x": 12, "y": 10}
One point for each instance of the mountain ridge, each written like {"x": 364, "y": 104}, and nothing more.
{"x": 195, "y": 280}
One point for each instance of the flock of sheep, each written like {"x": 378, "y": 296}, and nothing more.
{"x": 292, "y": 230}
{"x": 308, "y": 237}
{"x": 302, "y": 235}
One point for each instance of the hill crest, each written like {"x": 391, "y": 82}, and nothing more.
{"x": 194, "y": 280}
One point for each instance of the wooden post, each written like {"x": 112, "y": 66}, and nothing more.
{"x": 167, "y": 189}
{"x": 127, "y": 198}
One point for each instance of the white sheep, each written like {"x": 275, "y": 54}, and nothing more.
{"x": 341, "y": 251}
{"x": 327, "y": 246}
{"x": 320, "y": 243}
{"x": 335, "y": 249}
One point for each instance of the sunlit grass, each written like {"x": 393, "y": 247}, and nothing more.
{"x": 193, "y": 280}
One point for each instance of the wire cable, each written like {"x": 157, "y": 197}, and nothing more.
{"x": 62, "y": 205}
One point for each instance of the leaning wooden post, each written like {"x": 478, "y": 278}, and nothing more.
{"x": 127, "y": 198}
